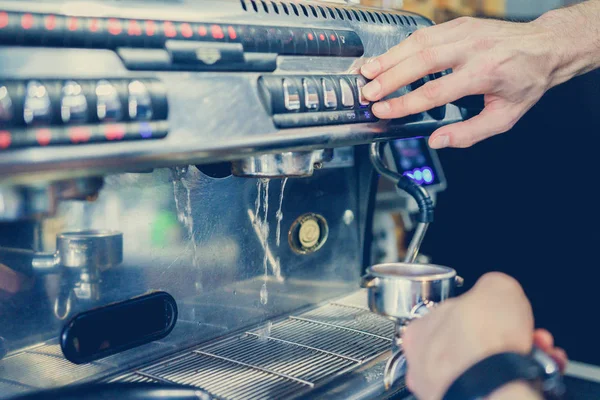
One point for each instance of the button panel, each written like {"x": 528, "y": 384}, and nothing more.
{"x": 54, "y": 112}
{"x": 35, "y": 29}
{"x": 316, "y": 100}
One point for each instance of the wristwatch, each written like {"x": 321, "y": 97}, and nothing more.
{"x": 492, "y": 373}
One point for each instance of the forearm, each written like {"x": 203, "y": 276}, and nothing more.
{"x": 576, "y": 39}
{"x": 517, "y": 390}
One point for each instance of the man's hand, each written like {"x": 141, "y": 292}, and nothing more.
{"x": 493, "y": 317}
{"x": 511, "y": 64}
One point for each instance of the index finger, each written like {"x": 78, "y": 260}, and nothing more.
{"x": 421, "y": 39}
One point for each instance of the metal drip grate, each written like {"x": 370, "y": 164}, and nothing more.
{"x": 352, "y": 318}
{"x": 282, "y": 359}
{"x": 225, "y": 379}
{"x": 46, "y": 370}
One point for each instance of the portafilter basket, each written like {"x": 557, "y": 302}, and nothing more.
{"x": 403, "y": 291}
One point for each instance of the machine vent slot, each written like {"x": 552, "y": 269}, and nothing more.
{"x": 286, "y": 10}
{"x": 295, "y": 10}
{"x": 304, "y": 10}
{"x": 323, "y": 13}
{"x": 265, "y": 7}
{"x": 326, "y": 12}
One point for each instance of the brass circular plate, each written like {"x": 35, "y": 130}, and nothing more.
{"x": 308, "y": 233}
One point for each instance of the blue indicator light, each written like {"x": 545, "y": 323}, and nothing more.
{"x": 418, "y": 175}
{"x": 427, "y": 175}
{"x": 145, "y": 130}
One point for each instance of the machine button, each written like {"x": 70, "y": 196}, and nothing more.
{"x": 312, "y": 43}
{"x": 73, "y": 105}
{"x": 108, "y": 103}
{"x": 5, "y": 140}
{"x": 335, "y": 48}
{"x": 360, "y": 83}
{"x": 6, "y": 105}
{"x": 351, "y": 45}
{"x": 300, "y": 42}
{"x": 275, "y": 40}
{"x": 347, "y": 94}
{"x": 291, "y": 95}
{"x": 78, "y": 134}
{"x": 54, "y": 28}
{"x": 260, "y": 42}
{"x": 323, "y": 40}
{"x": 329, "y": 95}
{"x": 140, "y": 102}
{"x": 205, "y": 53}
{"x": 311, "y": 94}
{"x": 37, "y": 108}
{"x": 288, "y": 40}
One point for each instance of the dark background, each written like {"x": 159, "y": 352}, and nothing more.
{"x": 526, "y": 203}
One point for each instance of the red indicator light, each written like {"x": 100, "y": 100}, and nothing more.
{"x": 50, "y": 22}
{"x": 43, "y": 137}
{"x": 114, "y": 26}
{"x": 202, "y": 31}
{"x": 232, "y": 33}
{"x": 79, "y": 134}
{"x": 170, "y": 30}
{"x": 5, "y": 139}
{"x": 311, "y": 36}
{"x": 217, "y": 32}
{"x": 332, "y": 37}
{"x": 72, "y": 24}
{"x": 114, "y": 132}
{"x": 150, "y": 28}
{"x": 27, "y": 21}
{"x": 94, "y": 25}
{"x": 134, "y": 28}
{"x": 186, "y": 30}
{"x": 3, "y": 19}
{"x": 322, "y": 37}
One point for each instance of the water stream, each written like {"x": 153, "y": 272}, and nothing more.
{"x": 279, "y": 215}
{"x": 183, "y": 205}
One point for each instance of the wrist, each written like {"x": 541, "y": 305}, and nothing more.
{"x": 516, "y": 390}
{"x": 573, "y": 43}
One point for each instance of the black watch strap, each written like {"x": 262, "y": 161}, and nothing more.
{"x": 490, "y": 374}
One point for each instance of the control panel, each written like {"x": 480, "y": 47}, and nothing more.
{"x": 167, "y": 45}
{"x": 38, "y": 113}
{"x": 312, "y": 100}
{"x": 97, "y": 87}
{"x": 414, "y": 159}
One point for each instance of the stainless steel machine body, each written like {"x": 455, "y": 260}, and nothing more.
{"x": 104, "y": 127}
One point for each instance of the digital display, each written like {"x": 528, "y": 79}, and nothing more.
{"x": 414, "y": 160}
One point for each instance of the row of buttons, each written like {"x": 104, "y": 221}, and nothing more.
{"x": 36, "y": 103}
{"x": 71, "y": 31}
{"x": 316, "y": 100}
{"x": 81, "y": 134}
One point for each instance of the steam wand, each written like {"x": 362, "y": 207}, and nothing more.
{"x": 417, "y": 192}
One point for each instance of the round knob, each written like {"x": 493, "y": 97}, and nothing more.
{"x": 93, "y": 249}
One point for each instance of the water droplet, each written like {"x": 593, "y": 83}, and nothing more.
{"x": 264, "y": 294}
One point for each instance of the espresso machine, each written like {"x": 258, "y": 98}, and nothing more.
{"x": 209, "y": 159}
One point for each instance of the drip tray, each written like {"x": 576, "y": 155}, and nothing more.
{"x": 283, "y": 360}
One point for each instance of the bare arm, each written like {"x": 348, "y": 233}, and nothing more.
{"x": 512, "y": 64}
